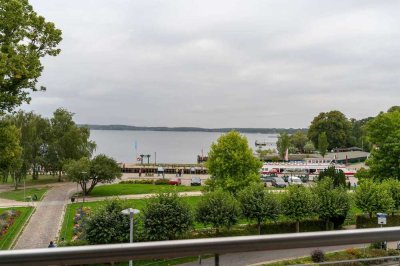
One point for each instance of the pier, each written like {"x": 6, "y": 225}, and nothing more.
{"x": 167, "y": 168}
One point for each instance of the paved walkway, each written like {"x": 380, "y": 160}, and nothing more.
{"x": 44, "y": 223}
{"x": 263, "y": 257}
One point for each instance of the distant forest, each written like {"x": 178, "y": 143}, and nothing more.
{"x": 195, "y": 129}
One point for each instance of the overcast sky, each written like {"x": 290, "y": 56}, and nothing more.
{"x": 220, "y": 63}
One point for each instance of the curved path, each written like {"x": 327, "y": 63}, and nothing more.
{"x": 44, "y": 223}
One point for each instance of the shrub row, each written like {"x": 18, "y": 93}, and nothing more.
{"x": 146, "y": 181}
{"x": 363, "y": 221}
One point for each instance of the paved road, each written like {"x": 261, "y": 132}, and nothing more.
{"x": 44, "y": 224}
{"x": 262, "y": 257}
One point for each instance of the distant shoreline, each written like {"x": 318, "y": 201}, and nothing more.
{"x": 193, "y": 129}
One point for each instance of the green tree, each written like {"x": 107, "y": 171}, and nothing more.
{"x": 283, "y": 144}
{"x": 25, "y": 37}
{"x": 108, "y": 225}
{"x": 334, "y": 202}
{"x": 231, "y": 163}
{"x": 298, "y": 204}
{"x": 358, "y": 133}
{"x": 10, "y": 151}
{"x": 336, "y": 126}
{"x": 258, "y": 204}
{"x": 371, "y": 197}
{"x": 218, "y": 209}
{"x": 384, "y": 133}
{"x": 166, "y": 217}
{"x": 337, "y": 175}
{"x": 33, "y": 138}
{"x": 393, "y": 187}
{"x": 309, "y": 147}
{"x": 67, "y": 141}
{"x": 322, "y": 144}
{"x": 298, "y": 140}
{"x": 88, "y": 173}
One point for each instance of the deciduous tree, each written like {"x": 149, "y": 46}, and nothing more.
{"x": 334, "y": 202}
{"x": 231, "y": 163}
{"x": 299, "y": 203}
{"x": 258, "y": 204}
{"x": 283, "y": 144}
{"x": 336, "y": 126}
{"x": 218, "y": 209}
{"x": 88, "y": 173}
{"x": 322, "y": 144}
{"x": 298, "y": 140}
{"x": 384, "y": 133}
{"x": 25, "y": 37}
{"x": 372, "y": 197}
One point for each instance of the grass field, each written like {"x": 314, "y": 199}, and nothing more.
{"x": 43, "y": 180}
{"x": 68, "y": 223}
{"x": 7, "y": 239}
{"x": 19, "y": 194}
{"x": 131, "y": 189}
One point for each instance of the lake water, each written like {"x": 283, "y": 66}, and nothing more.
{"x": 170, "y": 147}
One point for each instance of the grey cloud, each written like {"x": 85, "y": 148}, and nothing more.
{"x": 221, "y": 63}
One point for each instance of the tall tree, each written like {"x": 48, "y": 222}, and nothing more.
{"x": 322, "y": 144}
{"x": 25, "y": 37}
{"x": 283, "y": 144}
{"x": 384, "y": 133}
{"x": 10, "y": 151}
{"x": 299, "y": 140}
{"x": 33, "y": 138}
{"x": 336, "y": 126}
{"x": 231, "y": 163}
{"x": 68, "y": 141}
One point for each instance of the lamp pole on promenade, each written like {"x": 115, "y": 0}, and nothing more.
{"x": 131, "y": 212}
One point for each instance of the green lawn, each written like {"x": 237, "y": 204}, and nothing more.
{"x": 68, "y": 223}
{"x": 131, "y": 189}
{"x": 7, "y": 239}
{"x": 19, "y": 194}
{"x": 43, "y": 180}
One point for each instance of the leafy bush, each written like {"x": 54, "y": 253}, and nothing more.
{"x": 166, "y": 217}
{"x": 219, "y": 209}
{"x": 108, "y": 225}
{"x": 367, "y": 222}
{"x": 317, "y": 256}
{"x": 161, "y": 182}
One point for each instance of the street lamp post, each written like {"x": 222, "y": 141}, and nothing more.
{"x": 131, "y": 212}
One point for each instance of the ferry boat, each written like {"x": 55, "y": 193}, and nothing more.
{"x": 307, "y": 167}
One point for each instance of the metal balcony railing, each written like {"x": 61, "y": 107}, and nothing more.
{"x": 194, "y": 247}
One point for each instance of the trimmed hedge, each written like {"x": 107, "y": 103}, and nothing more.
{"x": 290, "y": 227}
{"x": 146, "y": 181}
{"x": 138, "y": 181}
{"x": 366, "y": 222}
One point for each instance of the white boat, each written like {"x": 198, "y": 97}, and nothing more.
{"x": 309, "y": 166}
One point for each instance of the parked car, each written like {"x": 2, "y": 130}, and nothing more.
{"x": 175, "y": 181}
{"x": 294, "y": 180}
{"x": 278, "y": 182}
{"x": 195, "y": 181}
{"x": 265, "y": 180}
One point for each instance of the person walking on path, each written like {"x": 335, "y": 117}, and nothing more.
{"x": 51, "y": 245}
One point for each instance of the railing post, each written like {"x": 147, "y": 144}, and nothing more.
{"x": 216, "y": 259}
